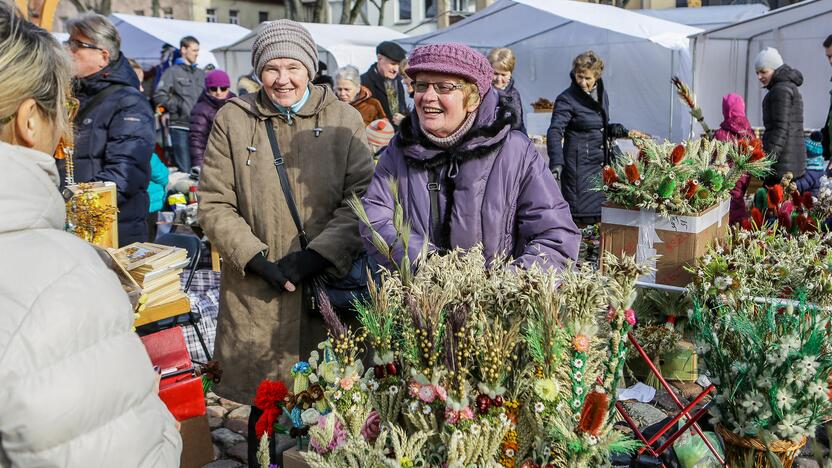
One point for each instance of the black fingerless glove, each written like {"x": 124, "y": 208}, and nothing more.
{"x": 302, "y": 265}
{"x": 269, "y": 271}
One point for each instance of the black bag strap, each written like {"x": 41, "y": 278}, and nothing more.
{"x": 98, "y": 99}
{"x": 435, "y": 222}
{"x": 284, "y": 184}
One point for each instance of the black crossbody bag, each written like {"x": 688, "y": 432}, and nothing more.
{"x": 342, "y": 292}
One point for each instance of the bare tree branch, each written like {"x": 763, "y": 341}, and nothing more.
{"x": 356, "y": 10}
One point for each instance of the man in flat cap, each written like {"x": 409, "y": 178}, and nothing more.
{"x": 385, "y": 82}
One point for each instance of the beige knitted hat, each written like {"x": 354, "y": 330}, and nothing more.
{"x": 284, "y": 39}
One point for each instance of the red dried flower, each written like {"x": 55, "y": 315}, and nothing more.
{"x": 609, "y": 176}
{"x": 797, "y": 200}
{"x": 756, "y": 155}
{"x": 677, "y": 154}
{"x": 631, "y": 170}
{"x": 690, "y": 189}
{"x": 757, "y": 143}
{"x": 802, "y": 222}
{"x": 269, "y": 394}
{"x": 594, "y": 413}
{"x": 785, "y": 221}
{"x": 808, "y": 201}
{"x": 775, "y": 195}
{"x": 743, "y": 146}
{"x": 745, "y": 224}
{"x": 757, "y": 217}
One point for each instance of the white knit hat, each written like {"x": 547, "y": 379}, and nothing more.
{"x": 768, "y": 58}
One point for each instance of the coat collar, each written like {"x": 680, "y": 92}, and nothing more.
{"x": 585, "y": 98}
{"x": 29, "y": 197}
{"x": 257, "y": 104}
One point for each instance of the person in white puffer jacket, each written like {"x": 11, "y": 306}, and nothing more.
{"x": 77, "y": 388}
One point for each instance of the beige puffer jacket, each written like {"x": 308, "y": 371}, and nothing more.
{"x": 76, "y": 385}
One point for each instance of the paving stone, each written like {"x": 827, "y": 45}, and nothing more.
{"x": 241, "y": 413}
{"x": 215, "y": 411}
{"x": 224, "y": 464}
{"x": 228, "y": 404}
{"x": 689, "y": 390}
{"x": 239, "y": 452}
{"x": 215, "y": 423}
{"x": 217, "y": 453}
{"x": 212, "y": 399}
{"x": 226, "y": 438}
{"x": 666, "y": 403}
{"x": 644, "y": 414}
{"x": 237, "y": 425}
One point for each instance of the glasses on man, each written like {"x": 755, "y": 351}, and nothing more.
{"x": 214, "y": 89}
{"x": 75, "y": 44}
{"x": 441, "y": 87}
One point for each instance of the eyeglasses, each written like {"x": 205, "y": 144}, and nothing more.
{"x": 75, "y": 44}
{"x": 442, "y": 87}
{"x": 214, "y": 89}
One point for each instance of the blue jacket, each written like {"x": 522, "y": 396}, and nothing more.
{"x": 114, "y": 142}
{"x": 158, "y": 183}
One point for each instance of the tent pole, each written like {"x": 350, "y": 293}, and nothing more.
{"x": 672, "y": 93}
{"x": 693, "y": 68}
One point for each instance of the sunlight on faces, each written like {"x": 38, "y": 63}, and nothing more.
{"x": 284, "y": 80}
{"x": 86, "y": 61}
{"x": 190, "y": 53}
{"x": 764, "y": 76}
{"x": 218, "y": 92}
{"x": 386, "y": 67}
{"x": 501, "y": 79}
{"x": 32, "y": 128}
{"x": 442, "y": 114}
{"x": 346, "y": 90}
{"x": 586, "y": 79}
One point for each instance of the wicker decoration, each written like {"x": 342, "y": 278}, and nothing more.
{"x": 741, "y": 450}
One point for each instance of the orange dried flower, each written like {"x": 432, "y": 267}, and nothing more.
{"x": 609, "y": 176}
{"x": 775, "y": 196}
{"x": 690, "y": 189}
{"x": 631, "y": 170}
{"x": 594, "y": 413}
{"x": 580, "y": 343}
{"x": 756, "y": 155}
{"x": 677, "y": 154}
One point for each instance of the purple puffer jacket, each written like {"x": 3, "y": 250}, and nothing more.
{"x": 202, "y": 119}
{"x": 500, "y": 189}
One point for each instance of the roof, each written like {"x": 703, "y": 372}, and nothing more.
{"x": 708, "y": 17}
{"x": 508, "y": 22}
{"x": 779, "y": 18}
{"x": 142, "y": 37}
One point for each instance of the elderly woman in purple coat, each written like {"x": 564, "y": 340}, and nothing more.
{"x": 466, "y": 175}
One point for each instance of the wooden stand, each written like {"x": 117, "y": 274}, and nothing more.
{"x": 107, "y": 191}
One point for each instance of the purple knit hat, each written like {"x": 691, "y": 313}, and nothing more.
{"x": 453, "y": 59}
{"x": 217, "y": 79}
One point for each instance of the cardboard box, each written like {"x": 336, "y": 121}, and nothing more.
{"x": 197, "y": 447}
{"x": 677, "y": 240}
{"x": 293, "y": 459}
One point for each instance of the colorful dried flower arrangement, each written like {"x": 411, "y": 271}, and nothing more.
{"x": 476, "y": 364}
{"x": 782, "y": 207}
{"x": 762, "y": 331}
{"x": 88, "y": 216}
{"x": 684, "y": 179}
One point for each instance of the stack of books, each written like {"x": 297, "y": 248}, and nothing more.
{"x": 156, "y": 269}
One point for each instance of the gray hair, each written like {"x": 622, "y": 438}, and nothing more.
{"x": 349, "y": 73}
{"x": 99, "y": 29}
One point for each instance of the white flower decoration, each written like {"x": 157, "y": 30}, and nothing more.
{"x": 356, "y": 397}
{"x": 784, "y": 399}
{"x": 578, "y": 363}
{"x": 817, "y": 390}
{"x": 337, "y": 395}
{"x": 393, "y": 390}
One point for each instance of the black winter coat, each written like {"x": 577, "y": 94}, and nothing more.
{"x": 578, "y": 141}
{"x": 375, "y": 82}
{"x": 114, "y": 142}
{"x": 202, "y": 119}
{"x": 783, "y": 120}
{"x": 513, "y": 100}
{"x": 826, "y": 131}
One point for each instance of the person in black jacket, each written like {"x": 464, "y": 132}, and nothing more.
{"x": 826, "y": 131}
{"x": 385, "y": 82}
{"x": 114, "y": 131}
{"x": 579, "y": 138}
{"x": 502, "y": 61}
{"x": 782, "y": 114}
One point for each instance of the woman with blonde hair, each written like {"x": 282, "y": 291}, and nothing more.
{"x": 502, "y": 61}
{"x": 579, "y": 138}
{"x": 78, "y": 387}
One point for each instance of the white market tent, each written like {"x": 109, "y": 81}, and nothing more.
{"x": 641, "y": 55}
{"x": 708, "y": 17}
{"x": 142, "y": 37}
{"x": 724, "y": 60}
{"x": 338, "y": 45}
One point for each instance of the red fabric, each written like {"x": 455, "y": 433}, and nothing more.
{"x": 182, "y": 394}
{"x": 270, "y": 393}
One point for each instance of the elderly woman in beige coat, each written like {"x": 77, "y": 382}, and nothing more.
{"x": 262, "y": 329}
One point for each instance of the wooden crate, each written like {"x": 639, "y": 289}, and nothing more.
{"x": 677, "y": 240}
{"x": 107, "y": 190}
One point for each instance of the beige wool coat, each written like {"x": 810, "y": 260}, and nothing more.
{"x": 261, "y": 333}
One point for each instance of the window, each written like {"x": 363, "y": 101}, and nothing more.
{"x": 233, "y": 17}
{"x": 138, "y": 12}
{"x": 167, "y": 13}
{"x": 403, "y": 10}
{"x": 463, "y": 5}
{"x": 210, "y": 15}
{"x": 263, "y": 16}
{"x": 430, "y": 8}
